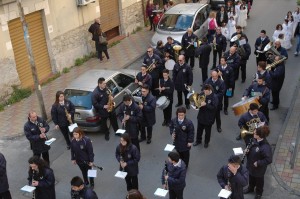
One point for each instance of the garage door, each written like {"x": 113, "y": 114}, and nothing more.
{"x": 39, "y": 48}
{"x": 110, "y": 20}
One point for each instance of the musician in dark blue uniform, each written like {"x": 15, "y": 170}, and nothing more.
{"x": 259, "y": 45}
{"x": 35, "y": 130}
{"x": 280, "y": 49}
{"x": 220, "y": 46}
{"x": 258, "y": 159}
{"x": 130, "y": 115}
{"x": 239, "y": 31}
{"x": 219, "y": 89}
{"x": 166, "y": 88}
{"x": 182, "y": 131}
{"x": 244, "y": 51}
{"x": 227, "y": 74}
{"x": 233, "y": 60}
{"x": 206, "y": 115}
{"x": 152, "y": 60}
{"x": 261, "y": 71}
{"x": 79, "y": 190}
{"x": 169, "y": 47}
{"x": 182, "y": 78}
{"x": 187, "y": 42}
{"x": 4, "y": 186}
{"x": 100, "y": 99}
{"x": 203, "y": 52}
{"x": 233, "y": 177}
{"x": 143, "y": 78}
{"x": 148, "y": 109}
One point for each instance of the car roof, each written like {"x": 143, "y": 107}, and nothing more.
{"x": 185, "y": 8}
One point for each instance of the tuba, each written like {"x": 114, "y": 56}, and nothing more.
{"x": 110, "y": 103}
{"x": 177, "y": 48}
{"x": 195, "y": 98}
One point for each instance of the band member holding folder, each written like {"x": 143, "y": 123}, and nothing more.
{"x": 173, "y": 176}
{"x": 36, "y": 129}
{"x": 42, "y": 178}
{"x": 80, "y": 190}
{"x": 4, "y": 187}
{"x": 82, "y": 154}
{"x": 62, "y": 113}
{"x": 128, "y": 156}
{"x": 233, "y": 177}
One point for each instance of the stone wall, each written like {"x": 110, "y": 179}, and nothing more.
{"x": 132, "y": 17}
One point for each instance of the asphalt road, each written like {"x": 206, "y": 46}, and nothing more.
{"x": 204, "y": 163}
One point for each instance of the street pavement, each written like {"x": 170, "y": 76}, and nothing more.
{"x": 280, "y": 180}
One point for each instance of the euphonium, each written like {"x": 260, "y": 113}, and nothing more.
{"x": 244, "y": 132}
{"x": 270, "y": 66}
{"x": 195, "y": 98}
{"x": 69, "y": 117}
{"x": 110, "y": 103}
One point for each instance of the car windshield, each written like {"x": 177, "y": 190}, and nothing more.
{"x": 175, "y": 22}
{"x": 81, "y": 99}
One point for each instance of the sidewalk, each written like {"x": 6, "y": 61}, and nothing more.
{"x": 121, "y": 55}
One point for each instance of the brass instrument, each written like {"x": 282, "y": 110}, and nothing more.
{"x": 110, "y": 103}
{"x": 177, "y": 48}
{"x": 235, "y": 38}
{"x": 270, "y": 66}
{"x": 69, "y": 117}
{"x": 151, "y": 67}
{"x": 244, "y": 132}
{"x": 195, "y": 98}
{"x": 214, "y": 43}
{"x": 220, "y": 75}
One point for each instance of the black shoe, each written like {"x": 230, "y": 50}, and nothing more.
{"x": 274, "y": 108}
{"x": 188, "y": 106}
{"x": 238, "y": 137}
{"x": 243, "y": 81}
{"x": 257, "y": 197}
{"x": 205, "y": 145}
{"x": 148, "y": 141}
{"x": 106, "y": 137}
{"x": 164, "y": 123}
{"x": 225, "y": 112}
{"x": 196, "y": 143}
{"x": 68, "y": 147}
{"x": 248, "y": 190}
{"x": 167, "y": 124}
{"x": 177, "y": 105}
{"x": 142, "y": 139}
{"x": 219, "y": 130}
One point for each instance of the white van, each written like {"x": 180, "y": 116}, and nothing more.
{"x": 179, "y": 18}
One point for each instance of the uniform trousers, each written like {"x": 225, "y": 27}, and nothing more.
{"x": 5, "y": 195}
{"x": 176, "y": 194}
{"x": 168, "y": 113}
{"x": 132, "y": 182}
{"x": 179, "y": 96}
{"x": 257, "y": 182}
{"x": 192, "y": 63}
{"x": 226, "y": 102}
{"x": 149, "y": 132}
{"x": 84, "y": 170}
{"x": 66, "y": 133}
{"x": 265, "y": 110}
{"x": 275, "y": 97}
{"x": 45, "y": 156}
{"x": 135, "y": 142}
{"x": 215, "y": 53}
{"x": 100, "y": 54}
{"x": 204, "y": 73}
{"x": 155, "y": 84}
{"x": 218, "y": 118}
{"x": 113, "y": 121}
{"x": 200, "y": 129}
{"x": 185, "y": 156}
{"x": 243, "y": 70}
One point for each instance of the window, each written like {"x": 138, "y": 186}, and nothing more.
{"x": 123, "y": 80}
{"x": 200, "y": 18}
{"x": 175, "y": 22}
{"x": 80, "y": 99}
{"x": 112, "y": 87}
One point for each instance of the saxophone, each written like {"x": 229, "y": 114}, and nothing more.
{"x": 110, "y": 103}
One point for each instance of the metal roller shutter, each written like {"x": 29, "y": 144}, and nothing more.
{"x": 39, "y": 48}
{"x": 109, "y": 10}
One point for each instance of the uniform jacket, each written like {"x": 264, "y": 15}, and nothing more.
{"x": 146, "y": 79}
{"x": 150, "y": 60}
{"x": 204, "y": 52}
{"x": 136, "y": 116}
{"x": 167, "y": 92}
{"x": 188, "y": 41}
{"x": 219, "y": 89}
{"x": 244, "y": 52}
{"x": 58, "y": 113}
{"x": 277, "y": 75}
{"x": 177, "y": 174}
{"x": 46, "y": 187}
{"x": 82, "y": 150}
{"x": 261, "y": 153}
{"x": 267, "y": 77}
{"x": 184, "y": 133}
{"x": 264, "y": 99}
{"x": 182, "y": 75}
{"x": 218, "y": 18}
{"x": 283, "y": 51}
{"x": 99, "y": 99}
{"x": 169, "y": 48}
{"x": 228, "y": 76}
{"x": 232, "y": 60}
{"x": 260, "y": 45}
{"x": 131, "y": 157}
{"x": 3, "y": 175}
{"x": 207, "y": 113}
{"x": 33, "y": 132}
{"x": 237, "y": 181}
{"x": 221, "y": 42}
{"x": 246, "y": 117}
{"x": 86, "y": 193}
{"x": 234, "y": 34}
{"x": 149, "y": 103}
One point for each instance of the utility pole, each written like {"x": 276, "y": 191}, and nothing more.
{"x": 37, "y": 86}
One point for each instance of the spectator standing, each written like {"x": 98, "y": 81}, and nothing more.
{"x": 102, "y": 45}
{"x": 4, "y": 186}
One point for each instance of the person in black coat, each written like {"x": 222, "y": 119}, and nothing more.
{"x": 143, "y": 78}
{"x": 206, "y": 115}
{"x": 244, "y": 51}
{"x": 4, "y": 186}
{"x": 82, "y": 154}
{"x": 169, "y": 47}
{"x": 203, "y": 52}
{"x": 233, "y": 177}
{"x": 173, "y": 176}
{"x": 130, "y": 115}
{"x": 187, "y": 41}
{"x": 261, "y": 71}
{"x": 297, "y": 36}
{"x": 259, "y": 45}
{"x": 233, "y": 60}
{"x": 280, "y": 49}
{"x": 239, "y": 31}
{"x": 79, "y": 190}
{"x": 62, "y": 113}
{"x": 100, "y": 98}
{"x": 219, "y": 89}
{"x": 259, "y": 157}
{"x": 102, "y": 45}
{"x": 148, "y": 109}
{"x": 93, "y": 29}
{"x": 128, "y": 156}
{"x": 222, "y": 16}
{"x": 182, "y": 131}
{"x": 155, "y": 62}
{"x": 277, "y": 75}
{"x": 227, "y": 73}
{"x": 182, "y": 78}
{"x": 220, "y": 46}
{"x": 35, "y": 130}
{"x": 42, "y": 178}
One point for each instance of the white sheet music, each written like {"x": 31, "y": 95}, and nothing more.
{"x": 92, "y": 173}
{"x": 161, "y": 192}
{"x": 238, "y": 151}
{"x": 169, "y": 147}
{"x": 72, "y": 127}
{"x": 28, "y": 188}
{"x": 121, "y": 174}
{"x": 224, "y": 193}
{"x": 138, "y": 99}
{"x": 48, "y": 142}
{"x": 120, "y": 131}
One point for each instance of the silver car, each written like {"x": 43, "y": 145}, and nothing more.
{"x": 80, "y": 92}
{"x": 179, "y": 18}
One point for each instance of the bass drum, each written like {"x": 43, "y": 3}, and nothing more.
{"x": 162, "y": 102}
{"x": 170, "y": 63}
{"x": 243, "y": 106}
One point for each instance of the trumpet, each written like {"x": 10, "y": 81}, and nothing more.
{"x": 151, "y": 67}
{"x": 110, "y": 103}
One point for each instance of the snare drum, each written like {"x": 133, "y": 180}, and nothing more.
{"x": 170, "y": 63}
{"x": 162, "y": 102}
{"x": 243, "y": 106}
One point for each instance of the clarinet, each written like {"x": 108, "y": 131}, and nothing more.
{"x": 124, "y": 124}
{"x": 166, "y": 171}
{"x": 122, "y": 160}
{"x": 174, "y": 135}
{"x": 33, "y": 179}
{"x": 249, "y": 145}
{"x": 228, "y": 179}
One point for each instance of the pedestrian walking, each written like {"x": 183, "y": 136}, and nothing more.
{"x": 102, "y": 45}
{"x": 93, "y": 30}
{"x": 4, "y": 186}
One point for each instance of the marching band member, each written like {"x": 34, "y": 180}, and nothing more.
{"x": 219, "y": 89}
{"x": 219, "y": 44}
{"x": 280, "y": 49}
{"x": 154, "y": 61}
{"x": 130, "y": 115}
{"x": 166, "y": 88}
{"x": 261, "y": 71}
{"x": 182, "y": 78}
{"x": 35, "y": 130}
{"x": 82, "y": 154}
{"x": 244, "y": 51}
{"x": 100, "y": 98}
{"x": 143, "y": 78}
{"x": 159, "y": 50}
{"x": 4, "y": 186}
{"x": 226, "y": 72}
{"x": 42, "y": 178}
{"x": 128, "y": 156}
{"x": 134, "y": 194}
{"x": 173, "y": 176}
{"x": 62, "y": 113}
{"x": 187, "y": 42}
{"x": 169, "y": 46}
{"x": 260, "y": 44}
{"x": 148, "y": 109}
{"x": 233, "y": 60}
{"x": 206, "y": 115}
{"x": 203, "y": 52}
{"x": 250, "y": 120}
{"x": 182, "y": 131}
{"x": 80, "y": 190}
{"x": 258, "y": 159}
{"x": 233, "y": 177}
{"x": 239, "y": 31}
